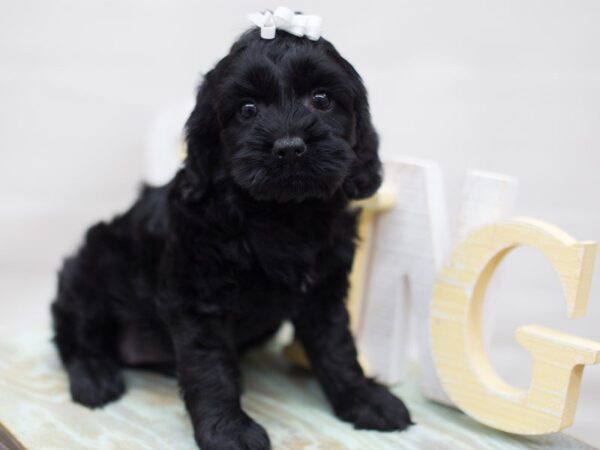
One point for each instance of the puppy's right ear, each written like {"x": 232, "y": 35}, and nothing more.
{"x": 202, "y": 136}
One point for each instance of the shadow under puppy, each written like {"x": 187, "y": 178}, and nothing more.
{"x": 253, "y": 230}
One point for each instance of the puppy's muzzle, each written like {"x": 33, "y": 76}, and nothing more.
{"x": 289, "y": 148}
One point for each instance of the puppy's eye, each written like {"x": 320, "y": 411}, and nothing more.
{"x": 321, "y": 101}
{"x": 248, "y": 110}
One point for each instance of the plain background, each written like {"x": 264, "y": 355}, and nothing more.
{"x": 506, "y": 86}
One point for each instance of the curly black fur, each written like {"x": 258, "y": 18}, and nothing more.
{"x": 240, "y": 240}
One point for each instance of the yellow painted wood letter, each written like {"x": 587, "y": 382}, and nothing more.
{"x": 548, "y": 405}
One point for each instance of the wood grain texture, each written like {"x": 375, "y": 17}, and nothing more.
{"x": 558, "y": 358}
{"x": 35, "y": 406}
{"x": 486, "y": 197}
{"x": 409, "y": 243}
{"x": 8, "y": 441}
{"x": 409, "y": 246}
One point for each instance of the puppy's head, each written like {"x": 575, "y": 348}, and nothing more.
{"x": 286, "y": 119}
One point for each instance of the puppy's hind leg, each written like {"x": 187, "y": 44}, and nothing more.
{"x": 86, "y": 342}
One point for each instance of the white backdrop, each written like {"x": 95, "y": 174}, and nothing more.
{"x": 511, "y": 86}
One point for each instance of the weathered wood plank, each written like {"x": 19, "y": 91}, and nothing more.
{"x": 8, "y": 441}
{"x": 35, "y": 406}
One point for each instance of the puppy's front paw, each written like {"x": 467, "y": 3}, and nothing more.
{"x": 372, "y": 407}
{"x": 232, "y": 433}
{"x": 95, "y": 381}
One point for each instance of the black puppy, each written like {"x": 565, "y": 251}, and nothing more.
{"x": 253, "y": 230}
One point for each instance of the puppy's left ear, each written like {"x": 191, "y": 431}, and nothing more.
{"x": 365, "y": 173}
{"x": 202, "y": 136}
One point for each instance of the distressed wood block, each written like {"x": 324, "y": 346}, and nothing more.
{"x": 409, "y": 245}
{"x": 549, "y": 404}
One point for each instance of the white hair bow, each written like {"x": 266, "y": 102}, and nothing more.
{"x": 285, "y": 19}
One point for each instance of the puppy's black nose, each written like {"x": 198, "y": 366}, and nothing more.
{"x": 289, "y": 148}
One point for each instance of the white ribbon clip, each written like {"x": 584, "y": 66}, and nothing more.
{"x": 285, "y": 19}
